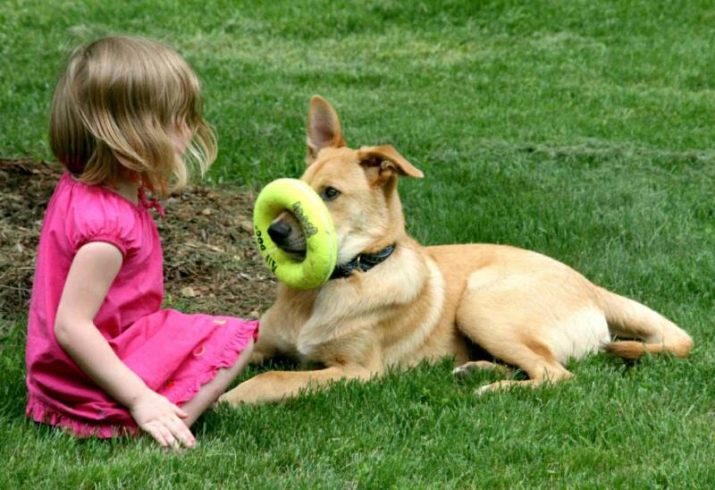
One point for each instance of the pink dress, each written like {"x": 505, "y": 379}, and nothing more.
{"x": 174, "y": 353}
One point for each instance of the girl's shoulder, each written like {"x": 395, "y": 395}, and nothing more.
{"x": 94, "y": 213}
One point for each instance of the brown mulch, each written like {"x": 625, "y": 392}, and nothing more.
{"x": 210, "y": 262}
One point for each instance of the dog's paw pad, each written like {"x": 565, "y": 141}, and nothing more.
{"x": 460, "y": 371}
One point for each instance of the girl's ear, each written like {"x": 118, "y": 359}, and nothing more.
{"x": 323, "y": 128}
{"x": 383, "y": 162}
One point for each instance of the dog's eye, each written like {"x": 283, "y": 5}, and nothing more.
{"x": 329, "y": 193}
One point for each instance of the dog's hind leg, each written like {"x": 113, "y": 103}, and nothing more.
{"x": 510, "y": 337}
{"x": 538, "y": 375}
{"x": 533, "y": 357}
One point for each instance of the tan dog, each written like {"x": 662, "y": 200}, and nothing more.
{"x": 401, "y": 303}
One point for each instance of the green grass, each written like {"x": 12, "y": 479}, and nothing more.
{"x": 579, "y": 129}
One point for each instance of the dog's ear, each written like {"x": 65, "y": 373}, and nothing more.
{"x": 323, "y": 128}
{"x": 384, "y": 162}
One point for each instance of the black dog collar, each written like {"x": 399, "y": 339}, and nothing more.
{"x": 363, "y": 262}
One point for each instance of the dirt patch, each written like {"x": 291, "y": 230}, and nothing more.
{"x": 210, "y": 262}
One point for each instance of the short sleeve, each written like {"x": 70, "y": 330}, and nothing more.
{"x": 99, "y": 217}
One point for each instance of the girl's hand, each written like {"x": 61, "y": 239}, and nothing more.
{"x": 159, "y": 417}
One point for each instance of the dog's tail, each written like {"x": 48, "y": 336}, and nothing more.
{"x": 631, "y": 320}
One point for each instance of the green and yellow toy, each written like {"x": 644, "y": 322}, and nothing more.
{"x": 297, "y": 197}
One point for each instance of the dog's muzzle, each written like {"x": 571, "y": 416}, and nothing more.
{"x": 286, "y": 233}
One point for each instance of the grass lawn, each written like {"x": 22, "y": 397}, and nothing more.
{"x": 579, "y": 129}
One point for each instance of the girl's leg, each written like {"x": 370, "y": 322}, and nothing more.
{"x": 210, "y": 392}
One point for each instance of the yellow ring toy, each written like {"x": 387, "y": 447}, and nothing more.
{"x": 309, "y": 209}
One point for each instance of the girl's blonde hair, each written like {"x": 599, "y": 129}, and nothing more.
{"x": 116, "y": 110}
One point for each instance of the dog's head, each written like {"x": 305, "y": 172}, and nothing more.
{"x": 359, "y": 188}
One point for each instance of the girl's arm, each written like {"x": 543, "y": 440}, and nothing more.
{"x": 92, "y": 272}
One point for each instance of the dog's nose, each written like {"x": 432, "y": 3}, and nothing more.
{"x": 279, "y": 232}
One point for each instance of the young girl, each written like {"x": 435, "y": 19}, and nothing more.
{"x": 103, "y": 358}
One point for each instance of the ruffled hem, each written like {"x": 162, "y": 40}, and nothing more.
{"x": 178, "y": 393}
{"x": 42, "y": 413}
{"x": 184, "y": 390}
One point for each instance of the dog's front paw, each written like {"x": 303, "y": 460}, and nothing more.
{"x": 244, "y": 393}
{"x": 472, "y": 366}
